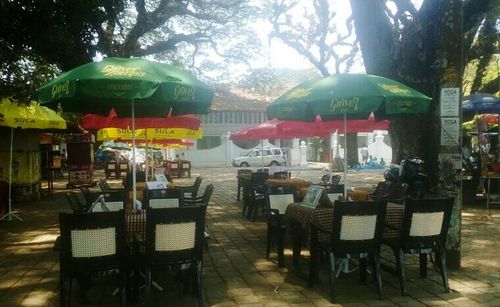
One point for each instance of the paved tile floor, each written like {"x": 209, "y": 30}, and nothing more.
{"x": 236, "y": 272}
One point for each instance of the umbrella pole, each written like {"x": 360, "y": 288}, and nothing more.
{"x": 8, "y": 216}
{"x": 134, "y": 184}
{"x": 146, "y": 160}
{"x": 345, "y": 155}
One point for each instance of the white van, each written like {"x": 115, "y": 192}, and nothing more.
{"x": 261, "y": 157}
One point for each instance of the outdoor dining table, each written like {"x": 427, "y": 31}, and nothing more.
{"x": 301, "y": 184}
{"x": 299, "y": 217}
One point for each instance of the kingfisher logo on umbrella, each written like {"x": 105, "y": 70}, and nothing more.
{"x": 116, "y": 70}
{"x": 60, "y": 89}
{"x": 184, "y": 92}
{"x": 392, "y": 88}
{"x": 344, "y": 105}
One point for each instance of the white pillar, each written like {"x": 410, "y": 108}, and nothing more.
{"x": 303, "y": 153}
{"x": 229, "y": 148}
{"x": 369, "y": 138}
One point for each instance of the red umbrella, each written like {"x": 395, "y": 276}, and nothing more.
{"x": 94, "y": 121}
{"x": 326, "y": 127}
{"x": 281, "y": 129}
{"x": 270, "y": 130}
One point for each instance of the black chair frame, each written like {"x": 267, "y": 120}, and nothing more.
{"x": 163, "y": 194}
{"x": 253, "y": 194}
{"x": 73, "y": 267}
{"x": 423, "y": 245}
{"x": 193, "y": 256}
{"x": 338, "y": 247}
{"x": 276, "y": 228}
{"x": 191, "y": 191}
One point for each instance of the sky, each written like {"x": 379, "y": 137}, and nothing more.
{"x": 281, "y": 55}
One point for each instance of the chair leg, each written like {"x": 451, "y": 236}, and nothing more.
{"x": 281, "y": 246}
{"x": 377, "y": 274}
{"x": 313, "y": 259}
{"x": 269, "y": 235}
{"x": 442, "y": 268}
{"x": 123, "y": 286}
{"x": 296, "y": 244}
{"x": 65, "y": 281}
{"x": 148, "y": 285}
{"x": 199, "y": 277}
{"x": 333, "y": 294}
{"x": 400, "y": 267}
{"x": 423, "y": 265}
{"x": 362, "y": 268}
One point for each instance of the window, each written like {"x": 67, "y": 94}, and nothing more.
{"x": 254, "y": 154}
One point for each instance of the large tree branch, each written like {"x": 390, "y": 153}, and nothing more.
{"x": 375, "y": 35}
{"x": 474, "y": 13}
{"x": 171, "y": 43}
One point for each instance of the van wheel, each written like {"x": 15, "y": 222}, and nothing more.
{"x": 244, "y": 164}
{"x": 274, "y": 163}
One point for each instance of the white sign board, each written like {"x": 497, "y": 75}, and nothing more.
{"x": 153, "y": 185}
{"x": 160, "y": 177}
{"x": 450, "y": 131}
{"x": 449, "y": 100}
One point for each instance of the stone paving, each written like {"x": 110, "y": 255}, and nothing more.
{"x": 236, "y": 272}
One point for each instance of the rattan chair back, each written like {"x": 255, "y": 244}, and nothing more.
{"x": 357, "y": 226}
{"x": 425, "y": 223}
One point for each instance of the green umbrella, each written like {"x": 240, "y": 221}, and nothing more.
{"x": 154, "y": 87}
{"x": 348, "y": 96}
{"x": 133, "y": 87}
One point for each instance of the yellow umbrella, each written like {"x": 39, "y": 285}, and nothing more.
{"x": 108, "y": 134}
{"x": 25, "y": 116}
{"x": 30, "y": 116}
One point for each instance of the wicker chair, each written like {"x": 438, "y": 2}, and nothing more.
{"x": 277, "y": 199}
{"x": 174, "y": 236}
{"x": 112, "y": 194}
{"x": 203, "y": 200}
{"x": 78, "y": 204}
{"x": 190, "y": 191}
{"x": 93, "y": 242}
{"x": 243, "y": 175}
{"x": 356, "y": 229}
{"x": 423, "y": 231}
{"x": 334, "y": 191}
{"x": 163, "y": 198}
{"x": 112, "y": 199}
{"x": 253, "y": 194}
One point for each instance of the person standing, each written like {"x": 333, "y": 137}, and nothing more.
{"x": 364, "y": 154}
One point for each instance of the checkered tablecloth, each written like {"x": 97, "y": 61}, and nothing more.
{"x": 135, "y": 225}
{"x": 303, "y": 215}
{"x": 394, "y": 214}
